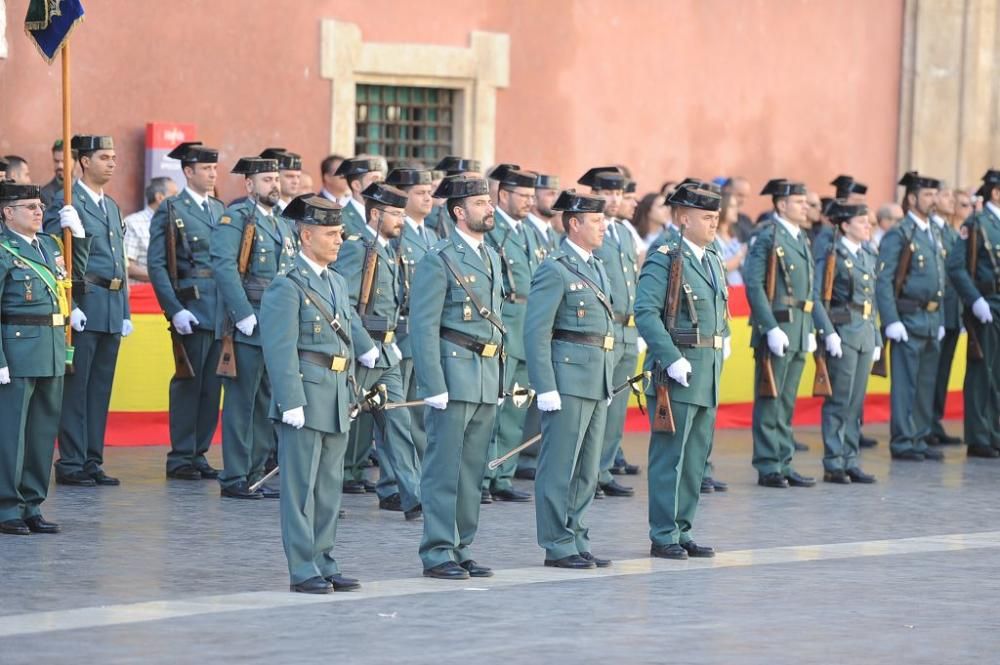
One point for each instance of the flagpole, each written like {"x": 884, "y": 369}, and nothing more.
{"x": 67, "y": 189}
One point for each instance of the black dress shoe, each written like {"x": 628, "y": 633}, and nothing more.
{"x": 631, "y": 469}
{"x": 511, "y": 495}
{"x": 800, "y": 447}
{"x": 599, "y": 493}
{"x": 615, "y": 489}
{"x": 240, "y": 490}
{"x": 671, "y": 551}
{"x": 525, "y": 474}
{"x": 573, "y": 561}
{"x": 392, "y": 502}
{"x": 269, "y": 492}
{"x": 102, "y": 478}
{"x": 599, "y": 562}
{"x": 38, "y": 524}
{"x": 187, "y": 472}
{"x": 933, "y": 454}
{"x": 946, "y": 439}
{"x": 341, "y": 583}
{"x": 15, "y": 528}
{"x": 719, "y": 485}
{"x": 772, "y": 480}
{"x": 207, "y": 471}
{"x": 354, "y": 487}
{"x": 696, "y": 551}
{"x": 795, "y": 479}
{"x": 982, "y": 451}
{"x": 838, "y": 476}
{"x": 476, "y": 570}
{"x": 369, "y": 486}
{"x": 909, "y": 456}
{"x": 617, "y": 470}
{"x": 312, "y": 585}
{"x": 859, "y": 476}
{"x": 449, "y": 570}
{"x": 414, "y": 513}
{"x": 867, "y": 442}
{"x": 485, "y": 497}
{"x": 707, "y": 486}
{"x": 76, "y": 478}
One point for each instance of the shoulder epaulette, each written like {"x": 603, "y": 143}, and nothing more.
{"x": 354, "y": 237}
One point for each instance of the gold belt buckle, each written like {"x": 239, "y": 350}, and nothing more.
{"x": 489, "y": 350}
{"x": 609, "y": 343}
{"x": 115, "y": 285}
{"x": 932, "y": 306}
{"x": 866, "y": 311}
{"x": 808, "y": 306}
{"x": 338, "y": 363}
{"x": 630, "y": 322}
{"x": 389, "y": 336}
{"x": 716, "y": 342}
{"x": 58, "y": 320}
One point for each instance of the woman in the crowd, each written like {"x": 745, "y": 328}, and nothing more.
{"x": 733, "y": 251}
{"x": 651, "y": 215}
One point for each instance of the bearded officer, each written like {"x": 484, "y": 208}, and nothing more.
{"x": 439, "y": 220}
{"x": 360, "y": 172}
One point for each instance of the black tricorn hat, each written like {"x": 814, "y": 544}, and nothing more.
{"x": 287, "y": 161}
{"x": 824, "y": 203}
{"x": 251, "y": 165}
{"x": 357, "y": 166}
{"x": 3, "y": 164}
{"x": 702, "y": 184}
{"x": 403, "y": 177}
{"x": 461, "y": 187}
{"x": 783, "y": 187}
{"x": 839, "y": 210}
{"x": 572, "y": 201}
{"x": 383, "y": 194}
{"x": 12, "y": 191}
{"x": 693, "y": 196}
{"x": 630, "y": 186}
{"x": 515, "y": 178}
{"x": 194, "y": 152}
{"x": 544, "y": 181}
{"x": 991, "y": 179}
{"x": 913, "y": 181}
{"x": 603, "y": 177}
{"x": 499, "y": 172}
{"x": 88, "y": 143}
{"x": 312, "y": 209}
{"x": 846, "y": 184}
{"x": 454, "y": 165}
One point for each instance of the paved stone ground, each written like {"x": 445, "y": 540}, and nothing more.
{"x": 158, "y": 571}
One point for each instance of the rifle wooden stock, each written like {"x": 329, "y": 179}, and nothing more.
{"x": 975, "y": 349}
{"x": 227, "y": 357}
{"x": 881, "y": 367}
{"x": 766, "y": 386}
{"x": 182, "y": 364}
{"x": 367, "y": 277}
{"x": 821, "y": 381}
{"x": 663, "y": 421}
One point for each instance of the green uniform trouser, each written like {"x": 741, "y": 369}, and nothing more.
{"x": 29, "y": 411}
{"x": 528, "y": 458}
{"x": 624, "y": 368}
{"x": 86, "y": 398}
{"x": 458, "y": 440}
{"x": 248, "y": 436}
{"x": 508, "y": 430}
{"x": 982, "y": 386}
{"x": 399, "y": 464}
{"x": 773, "y": 445}
{"x": 417, "y": 429}
{"x": 676, "y": 468}
{"x": 913, "y": 364}
{"x": 842, "y": 410}
{"x": 312, "y": 475}
{"x": 568, "y": 466}
{"x": 194, "y": 402}
{"x": 948, "y": 345}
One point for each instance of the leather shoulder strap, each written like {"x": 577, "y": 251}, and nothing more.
{"x": 484, "y": 311}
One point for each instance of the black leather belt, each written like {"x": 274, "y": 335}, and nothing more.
{"x": 333, "y": 363}
{"x": 514, "y": 298}
{"x": 840, "y": 314}
{"x": 605, "y": 342}
{"x": 198, "y": 274}
{"x": 627, "y": 320}
{"x": 114, "y": 284}
{"x": 486, "y": 350}
{"x": 49, "y": 320}
{"x": 804, "y": 305}
{"x": 911, "y": 305}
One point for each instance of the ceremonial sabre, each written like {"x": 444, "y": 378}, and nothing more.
{"x": 374, "y": 400}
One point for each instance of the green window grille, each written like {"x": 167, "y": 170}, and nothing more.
{"x": 405, "y": 123}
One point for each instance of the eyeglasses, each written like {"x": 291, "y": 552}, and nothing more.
{"x": 40, "y": 207}
{"x": 393, "y": 213}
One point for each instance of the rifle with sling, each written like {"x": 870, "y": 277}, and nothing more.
{"x": 898, "y": 282}
{"x": 975, "y": 349}
{"x": 663, "y": 419}
{"x": 227, "y": 358}
{"x": 821, "y": 382}
{"x": 368, "y": 267}
{"x": 182, "y": 364}
{"x": 766, "y": 386}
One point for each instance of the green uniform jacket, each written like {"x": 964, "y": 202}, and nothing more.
{"x": 853, "y": 295}
{"x": 952, "y": 303}
{"x": 273, "y": 253}
{"x": 194, "y": 257}
{"x": 354, "y": 222}
{"x": 439, "y": 301}
{"x": 29, "y": 350}
{"x": 987, "y": 280}
{"x": 383, "y": 308}
{"x": 519, "y": 261}
{"x": 546, "y": 241}
{"x": 291, "y": 322}
{"x": 105, "y": 309}
{"x": 622, "y": 265}
{"x": 924, "y": 282}
{"x": 560, "y": 300}
{"x": 410, "y": 249}
{"x": 711, "y": 307}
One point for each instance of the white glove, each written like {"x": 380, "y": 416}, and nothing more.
{"x": 247, "y": 325}
{"x": 897, "y": 332}
{"x": 500, "y": 400}
{"x": 370, "y": 357}
{"x": 69, "y": 218}
{"x": 439, "y": 402}
{"x": 127, "y": 327}
{"x": 549, "y": 401}
{"x": 940, "y": 333}
{"x": 4, "y": 376}
{"x": 876, "y": 354}
{"x": 183, "y": 321}
{"x": 294, "y": 417}
{"x": 727, "y": 347}
{"x": 77, "y": 319}
{"x": 396, "y": 349}
{"x": 833, "y": 346}
{"x": 811, "y": 343}
{"x": 777, "y": 341}
{"x": 680, "y": 371}
{"x": 981, "y": 310}
{"x": 641, "y": 343}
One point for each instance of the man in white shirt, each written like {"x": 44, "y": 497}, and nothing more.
{"x": 137, "y": 227}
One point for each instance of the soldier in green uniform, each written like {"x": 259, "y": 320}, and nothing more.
{"x": 360, "y": 173}
{"x": 944, "y": 211}
{"x": 34, "y": 313}
{"x": 980, "y": 292}
{"x": 289, "y": 174}
{"x": 569, "y": 339}
{"x": 306, "y": 328}
{"x": 685, "y": 353}
{"x": 909, "y": 305}
{"x": 100, "y": 319}
{"x": 189, "y": 299}
{"x": 375, "y": 296}
{"x": 782, "y": 328}
{"x": 851, "y": 337}
{"x": 516, "y": 245}
{"x": 495, "y": 176}
{"x": 439, "y": 220}
{"x": 456, "y": 334}
{"x": 247, "y": 434}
